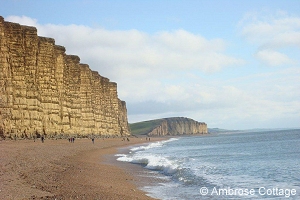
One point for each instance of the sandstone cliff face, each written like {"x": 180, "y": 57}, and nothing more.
{"x": 178, "y": 126}
{"x": 43, "y": 91}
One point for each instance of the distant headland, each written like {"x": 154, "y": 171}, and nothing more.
{"x": 169, "y": 126}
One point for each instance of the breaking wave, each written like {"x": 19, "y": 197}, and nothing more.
{"x": 151, "y": 161}
{"x": 153, "y": 145}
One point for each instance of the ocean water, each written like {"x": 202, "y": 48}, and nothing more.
{"x": 248, "y": 165}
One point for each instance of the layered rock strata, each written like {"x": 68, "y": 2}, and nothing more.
{"x": 178, "y": 126}
{"x": 43, "y": 91}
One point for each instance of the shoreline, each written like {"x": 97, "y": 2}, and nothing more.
{"x": 58, "y": 169}
{"x": 143, "y": 178}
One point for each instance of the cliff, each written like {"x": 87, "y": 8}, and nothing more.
{"x": 43, "y": 91}
{"x": 169, "y": 126}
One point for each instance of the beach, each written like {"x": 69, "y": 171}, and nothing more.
{"x": 58, "y": 169}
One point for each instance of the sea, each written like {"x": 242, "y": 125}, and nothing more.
{"x": 236, "y": 165}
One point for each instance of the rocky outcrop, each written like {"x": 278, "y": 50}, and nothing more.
{"x": 43, "y": 91}
{"x": 178, "y": 126}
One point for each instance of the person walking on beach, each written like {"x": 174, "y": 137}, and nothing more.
{"x": 93, "y": 139}
{"x": 42, "y": 138}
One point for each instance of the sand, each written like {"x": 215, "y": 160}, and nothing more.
{"x": 58, "y": 169}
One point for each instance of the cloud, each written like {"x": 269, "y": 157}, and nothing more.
{"x": 278, "y": 30}
{"x": 273, "y": 58}
{"x": 272, "y": 33}
{"x": 24, "y": 20}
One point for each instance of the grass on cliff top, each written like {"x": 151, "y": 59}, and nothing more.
{"x": 142, "y": 128}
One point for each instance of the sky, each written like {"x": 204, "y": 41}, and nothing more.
{"x": 232, "y": 64}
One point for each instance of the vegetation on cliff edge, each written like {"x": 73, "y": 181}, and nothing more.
{"x": 142, "y": 128}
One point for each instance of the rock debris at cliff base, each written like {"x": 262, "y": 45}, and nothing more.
{"x": 43, "y": 91}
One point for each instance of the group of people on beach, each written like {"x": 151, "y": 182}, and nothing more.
{"x": 34, "y": 138}
{"x": 72, "y": 139}
{"x": 124, "y": 139}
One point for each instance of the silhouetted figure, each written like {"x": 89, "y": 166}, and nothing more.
{"x": 93, "y": 140}
{"x": 42, "y": 138}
